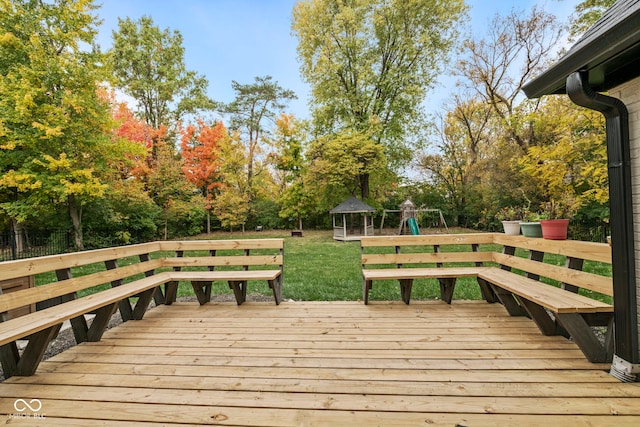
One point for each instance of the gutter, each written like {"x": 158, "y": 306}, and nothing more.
{"x": 626, "y": 359}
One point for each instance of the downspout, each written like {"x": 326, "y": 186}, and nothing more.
{"x": 626, "y": 363}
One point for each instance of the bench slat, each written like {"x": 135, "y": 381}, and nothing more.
{"x": 555, "y": 299}
{"x": 224, "y": 275}
{"x": 428, "y": 239}
{"x": 205, "y": 245}
{"x": 219, "y": 261}
{"x": 579, "y": 278}
{"x": 32, "y": 266}
{"x": 421, "y": 273}
{"x": 426, "y": 258}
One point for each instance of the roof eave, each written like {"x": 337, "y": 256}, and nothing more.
{"x": 592, "y": 56}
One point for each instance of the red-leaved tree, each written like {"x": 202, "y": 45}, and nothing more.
{"x": 201, "y": 155}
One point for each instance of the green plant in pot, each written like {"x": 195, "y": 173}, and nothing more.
{"x": 510, "y": 217}
{"x": 556, "y": 216}
{"x": 530, "y": 226}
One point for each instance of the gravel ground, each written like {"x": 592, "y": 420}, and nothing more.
{"x": 65, "y": 338}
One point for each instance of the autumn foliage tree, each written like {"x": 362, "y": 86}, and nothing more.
{"x": 200, "y": 151}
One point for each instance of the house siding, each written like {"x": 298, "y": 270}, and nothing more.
{"x": 629, "y": 93}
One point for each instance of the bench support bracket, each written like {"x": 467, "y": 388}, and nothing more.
{"x": 202, "y": 291}
{"x": 447, "y": 286}
{"x": 239, "y": 290}
{"x": 26, "y": 365}
{"x": 586, "y": 339}
{"x": 405, "y": 289}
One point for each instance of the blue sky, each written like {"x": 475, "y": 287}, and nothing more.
{"x": 238, "y": 40}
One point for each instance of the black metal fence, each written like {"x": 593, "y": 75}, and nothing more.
{"x": 34, "y": 243}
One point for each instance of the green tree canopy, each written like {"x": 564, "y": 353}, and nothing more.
{"x": 149, "y": 66}
{"x": 54, "y": 126}
{"x": 372, "y": 62}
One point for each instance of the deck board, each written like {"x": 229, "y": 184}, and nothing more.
{"x": 325, "y": 363}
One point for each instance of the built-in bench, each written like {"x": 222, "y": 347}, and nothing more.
{"x": 510, "y": 270}
{"x": 127, "y": 279}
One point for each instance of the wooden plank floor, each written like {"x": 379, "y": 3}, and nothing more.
{"x": 323, "y": 363}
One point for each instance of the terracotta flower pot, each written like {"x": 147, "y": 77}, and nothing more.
{"x": 555, "y": 229}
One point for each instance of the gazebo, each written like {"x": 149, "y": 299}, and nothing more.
{"x": 352, "y": 219}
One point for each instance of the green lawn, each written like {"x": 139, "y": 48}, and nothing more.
{"x": 318, "y": 268}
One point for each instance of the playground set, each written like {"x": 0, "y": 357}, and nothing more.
{"x": 409, "y": 216}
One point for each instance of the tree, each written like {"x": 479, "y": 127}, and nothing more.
{"x": 183, "y": 206}
{"x": 54, "y": 125}
{"x": 201, "y": 156}
{"x": 296, "y": 197}
{"x": 231, "y": 205}
{"x": 255, "y": 103}
{"x": 149, "y": 66}
{"x": 288, "y": 141}
{"x": 372, "y": 62}
{"x": 337, "y": 163}
{"x": 570, "y": 166}
{"x": 515, "y": 49}
{"x": 586, "y": 14}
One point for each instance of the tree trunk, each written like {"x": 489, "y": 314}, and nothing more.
{"x": 75, "y": 211}
{"x": 364, "y": 186}
{"x": 17, "y": 236}
{"x": 300, "y": 223}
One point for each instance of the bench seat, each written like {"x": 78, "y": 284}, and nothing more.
{"x": 555, "y": 299}
{"x": 556, "y": 311}
{"x": 445, "y": 275}
{"x": 42, "y": 326}
{"x": 201, "y": 282}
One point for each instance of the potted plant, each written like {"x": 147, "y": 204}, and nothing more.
{"x": 510, "y": 218}
{"x": 531, "y": 226}
{"x": 555, "y": 219}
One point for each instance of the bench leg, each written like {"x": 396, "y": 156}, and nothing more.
{"x": 447, "y": 286}
{"x": 100, "y": 322}
{"x": 276, "y": 287}
{"x": 540, "y": 316}
{"x": 487, "y": 292}
{"x": 366, "y": 287}
{"x": 126, "y": 312}
{"x": 26, "y": 365}
{"x": 170, "y": 292}
{"x": 202, "y": 291}
{"x": 240, "y": 290}
{"x": 510, "y": 303}
{"x": 586, "y": 339}
{"x": 405, "y": 289}
{"x": 9, "y": 357}
{"x": 144, "y": 299}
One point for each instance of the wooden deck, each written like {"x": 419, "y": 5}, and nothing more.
{"x": 325, "y": 363}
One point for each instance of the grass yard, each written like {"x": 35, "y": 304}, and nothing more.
{"x": 318, "y": 268}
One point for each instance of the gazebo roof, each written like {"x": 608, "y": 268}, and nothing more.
{"x": 352, "y": 205}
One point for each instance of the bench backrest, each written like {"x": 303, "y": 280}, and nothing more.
{"x": 113, "y": 266}
{"x": 517, "y": 253}
{"x": 440, "y": 250}
{"x": 572, "y": 253}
